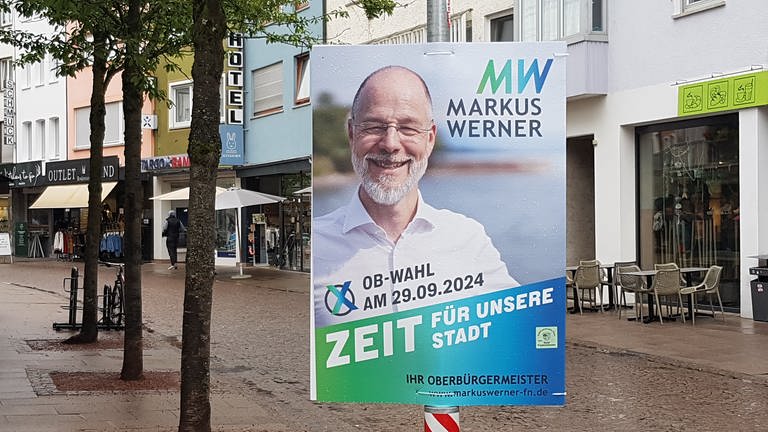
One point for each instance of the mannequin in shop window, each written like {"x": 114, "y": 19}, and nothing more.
{"x": 106, "y": 214}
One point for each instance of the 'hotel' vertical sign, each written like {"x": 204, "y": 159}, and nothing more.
{"x": 231, "y": 132}
{"x": 235, "y": 79}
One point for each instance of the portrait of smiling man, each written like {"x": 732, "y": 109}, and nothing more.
{"x": 387, "y": 250}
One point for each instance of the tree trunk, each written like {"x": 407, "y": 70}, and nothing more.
{"x": 209, "y": 30}
{"x": 133, "y": 350}
{"x": 89, "y": 332}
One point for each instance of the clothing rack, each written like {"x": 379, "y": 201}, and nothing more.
{"x": 111, "y": 245}
{"x": 67, "y": 244}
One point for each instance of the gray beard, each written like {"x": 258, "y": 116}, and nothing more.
{"x": 385, "y": 190}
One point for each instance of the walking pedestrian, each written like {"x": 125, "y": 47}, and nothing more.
{"x": 172, "y": 228}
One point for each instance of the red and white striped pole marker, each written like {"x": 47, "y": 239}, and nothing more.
{"x": 441, "y": 419}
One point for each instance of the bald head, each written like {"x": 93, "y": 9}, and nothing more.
{"x": 394, "y": 79}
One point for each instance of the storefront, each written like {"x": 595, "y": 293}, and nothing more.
{"x": 679, "y": 175}
{"x": 50, "y": 207}
{"x": 283, "y": 230}
{"x": 688, "y": 179}
{"x": 171, "y": 174}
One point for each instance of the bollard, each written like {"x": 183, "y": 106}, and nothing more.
{"x": 73, "y": 296}
{"x": 73, "y": 287}
{"x": 441, "y": 419}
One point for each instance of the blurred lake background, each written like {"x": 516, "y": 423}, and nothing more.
{"x": 519, "y": 196}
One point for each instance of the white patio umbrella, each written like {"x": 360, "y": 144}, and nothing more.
{"x": 306, "y": 190}
{"x": 238, "y": 198}
{"x": 232, "y": 198}
{"x": 180, "y": 194}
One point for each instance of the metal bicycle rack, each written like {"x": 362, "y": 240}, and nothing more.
{"x": 108, "y": 321}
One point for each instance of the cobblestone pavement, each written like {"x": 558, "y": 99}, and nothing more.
{"x": 260, "y": 347}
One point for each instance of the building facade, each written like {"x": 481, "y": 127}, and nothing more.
{"x": 666, "y": 127}
{"x": 664, "y": 122}
{"x": 278, "y": 146}
{"x": 46, "y": 153}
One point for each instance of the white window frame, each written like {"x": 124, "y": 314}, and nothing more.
{"x": 114, "y": 128}
{"x": 6, "y": 71}
{"x": 301, "y": 91}
{"x": 268, "y": 95}
{"x": 38, "y": 139}
{"x": 54, "y": 138}
{"x": 688, "y": 7}
{"x": 53, "y": 64}
{"x": 506, "y": 14}
{"x": 585, "y": 31}
{"x": 6, "y": 18}
{"x": 26, "y": 76}
{"x": 42, "y": 72}
{"x": 172, "y": 88}
{"x": 26, "y": 137}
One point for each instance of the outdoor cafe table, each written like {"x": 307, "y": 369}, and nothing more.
{"x": 649, "y": 274}
{"x": 609, "y": 281}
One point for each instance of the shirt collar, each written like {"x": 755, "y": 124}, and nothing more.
{"x": 356, "y": 216}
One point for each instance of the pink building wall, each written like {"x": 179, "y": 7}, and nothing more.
{"x": 79, "y": 96}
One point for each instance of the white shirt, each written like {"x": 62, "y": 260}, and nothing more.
{"x": 441, "y": 256}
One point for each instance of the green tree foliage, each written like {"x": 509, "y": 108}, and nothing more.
{"x": 109, "y": 37}
{"x": 135, "y": 36}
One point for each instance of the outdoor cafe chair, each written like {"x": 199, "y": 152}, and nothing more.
{"x": 603, "y": 275}
{"x": 569, "y": 288}
{"x": 587, "y": 281}
{"x": 617, "y": 292}
{"x": 666, "y": 283}
{"x": 709, "y": 286}
{"x": 668, "y": 266}
{"x": 632, "y": 284}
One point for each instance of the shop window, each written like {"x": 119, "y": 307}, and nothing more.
{"x": 689, "y": 197}
{"x": 268, "y": 89}
{"x": 5, "y": 225}
{"x": 226, "y": 229}
{"x": 181, "y": 104}
{"x": 302, "y": 79}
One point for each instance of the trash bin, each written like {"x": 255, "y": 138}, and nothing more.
{"x": 759, "y": 300}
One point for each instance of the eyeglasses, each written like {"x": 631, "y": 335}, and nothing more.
{"x": 377, "y": 129}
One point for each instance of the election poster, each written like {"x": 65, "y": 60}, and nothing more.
{"x": 438, "y": 231}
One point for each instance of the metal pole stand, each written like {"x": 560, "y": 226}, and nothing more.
{"x": 441, "y": 419}
{"x": 241, "y": 275}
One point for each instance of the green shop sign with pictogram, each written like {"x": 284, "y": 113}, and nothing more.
{"x": 723, "y": 94}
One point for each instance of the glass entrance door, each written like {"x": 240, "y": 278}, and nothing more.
{"x": 688, "y": 175}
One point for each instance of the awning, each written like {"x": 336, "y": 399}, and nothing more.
{"x": 69, "y": 196}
